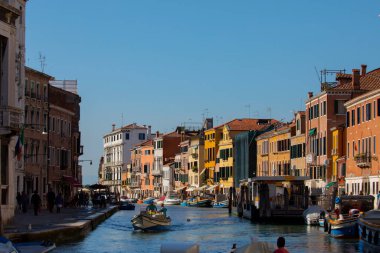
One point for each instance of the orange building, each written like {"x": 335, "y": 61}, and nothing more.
{"x": 325, "y": 111}
{"x": 363, "y": 132}
{"x": 147, "y": 159}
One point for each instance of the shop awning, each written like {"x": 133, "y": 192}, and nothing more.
{"x": 212, "y": 187}
{"x": 312, "y": 131}
{"x": 330, "y": 184}
{"x": 72, "y": 181}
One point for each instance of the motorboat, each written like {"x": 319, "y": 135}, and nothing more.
{"x": 172, "y": 199}
{"x": 220, "y": 204}
{"x": 369, "y": 228}
{"x": 6, "y": 246}
{"x": 199, "y": 202}
{"x": 148, "y": 200}
{"x": 126, "y": 205}
{"x": 160, "y": 200}
{"x": 342, "y": 227}
{"x": 148, "y": 220}
{"x": 312, "y": 215}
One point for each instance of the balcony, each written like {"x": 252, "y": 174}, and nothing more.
{"x": 136, "y": 169}
{"x": 111, "y": 182}
{"x": 135, "y": 185}
{"x": 363, "y": 160}
{"x": 157, "y": 173}
{"x": 10, "y": 119}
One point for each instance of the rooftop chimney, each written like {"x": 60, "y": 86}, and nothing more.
{"x": 356, "y": 79}
{"x": 113, "y": 127}
{"x": 364, "y": 69}
{"x": 157, "y": 134}
{"x": 310, "y": 94}
{"x": 149, "y": 132}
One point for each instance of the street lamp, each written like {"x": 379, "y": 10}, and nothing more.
{"x": 80, "y": 161}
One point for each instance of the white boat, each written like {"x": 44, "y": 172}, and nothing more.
{"x": 172, "y": 199}
{"x": 7, "y": 246}
{"x": 312, "y": 215}
{"x": 150, "y": 221}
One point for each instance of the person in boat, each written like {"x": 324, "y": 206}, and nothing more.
{"x": 151, "y": 207}
{"x": 281, "y": 246}
{"x": 163, "y": 209}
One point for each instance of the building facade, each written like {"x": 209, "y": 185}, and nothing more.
{"x": 12, "y": 61}
{"x": 362, "y": 152}
{"x": 117, "y": 147}
{"x": 298, "y": 146}
{"x": 196, "y": 162}
{"x": 34, "y": 176}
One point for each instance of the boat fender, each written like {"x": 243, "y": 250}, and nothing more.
{"x": 329, "y": 230}
{"x": 370, "y": 237}
{"x": 325, "y": 226}
{"x": 376, "y": 238}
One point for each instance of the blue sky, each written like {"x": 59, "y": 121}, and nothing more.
{"x": 165, "y": 62}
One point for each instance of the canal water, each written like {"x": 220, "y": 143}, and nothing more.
{"x": 213, "y": 229}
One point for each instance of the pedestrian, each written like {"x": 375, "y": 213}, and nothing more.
{"x": 50, "y": 200}
{"x": 24, "y": 202}
{"x": 19, "y": 201}
{"x": 59, "y": 202}
{"x": 281, "y": 246}
{"x": 36, "y": 202}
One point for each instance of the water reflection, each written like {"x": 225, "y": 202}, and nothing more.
{"x": 213, "y": 229}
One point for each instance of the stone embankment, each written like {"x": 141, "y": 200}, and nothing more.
{"x": 69, "y": 225}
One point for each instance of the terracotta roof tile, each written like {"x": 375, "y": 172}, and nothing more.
{"x": 249, "y": 124}
{"x": 369, "y": 81}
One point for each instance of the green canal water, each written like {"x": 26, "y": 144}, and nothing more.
{"x": 213, "y": 229}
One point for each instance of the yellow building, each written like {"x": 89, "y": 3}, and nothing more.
{"x": 338, "y": 153}
{"x": 211, "y": 145}
{"x": 298, "y": 146}
{"x": 224, "y": 172}
{"x": 274, "y": 158}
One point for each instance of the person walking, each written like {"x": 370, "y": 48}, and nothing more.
{"x": 50, "y": 200}
{"x": 36, "y": 202}
{"x": 59, "y": 202}
{"x": 281, "y": 246}
{"x": 19, "y": 201}
{"x": 24, "y": 202}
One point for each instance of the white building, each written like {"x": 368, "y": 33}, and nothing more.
{"x": 117, "y": 147}
{"x": 12, "y": 60}
{"x": 168, "y": 178}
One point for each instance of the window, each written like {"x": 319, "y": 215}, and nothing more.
{"x": 368, "y": 111}
{"x": 324, "y": 107}
{"x": 374, "y": 109}
{"x": 378, "y": 107}
{"x": 127, "y": 136}
{"x": 141, "y": 136}
{"x": 374, "y": 144}
{"x": 348, "y": 150}
{"x": 353, "y": 148}
{"x": 339, "y": 107}
{"x": 347, "y": 119}
{"x": 358, "y": 114}
{"x": 353, "y": 118}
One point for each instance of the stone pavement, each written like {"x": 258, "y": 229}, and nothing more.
{"x": 47, "y": 220}
{"x": 69, "y": 225}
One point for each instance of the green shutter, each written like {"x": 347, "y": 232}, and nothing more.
{"x": 312, "y": 131}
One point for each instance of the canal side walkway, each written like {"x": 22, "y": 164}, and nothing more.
{"x": 71, "y": 224}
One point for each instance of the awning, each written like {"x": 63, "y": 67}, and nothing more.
{"x": 71, "y": 180}
{"x": 180, "y": 188}
{"x": 312, "y": 131}
{"x": 330, "y": 184}
{"x": 212, "y": 187}
{"x": 201, "y": 188}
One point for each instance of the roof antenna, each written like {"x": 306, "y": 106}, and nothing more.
{"x": 122, "y": 119}
{"x": 42, "y": 60}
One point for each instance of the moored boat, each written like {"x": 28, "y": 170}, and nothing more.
{"x": 221, "y": 204}
{"x": 312, "y": 215}
{"x": 369, "y": 228}
{"x": 344, "y": 227}
{"x": 148, "y": 200}
{"x": 126, "y": 205}
{"x": 200, "y": 203}
{"x": 172, "y": 199}
{"x": 7, "y": 246}
{"x": 150, "y": 221}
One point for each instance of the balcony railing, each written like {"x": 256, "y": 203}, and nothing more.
{"x": 136, "y": 169}
{"x": 157, "y": 184}
{"x": 135, "y": 184}
{"x": 363, "y": 160}
{"x": 111, "y": 182}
